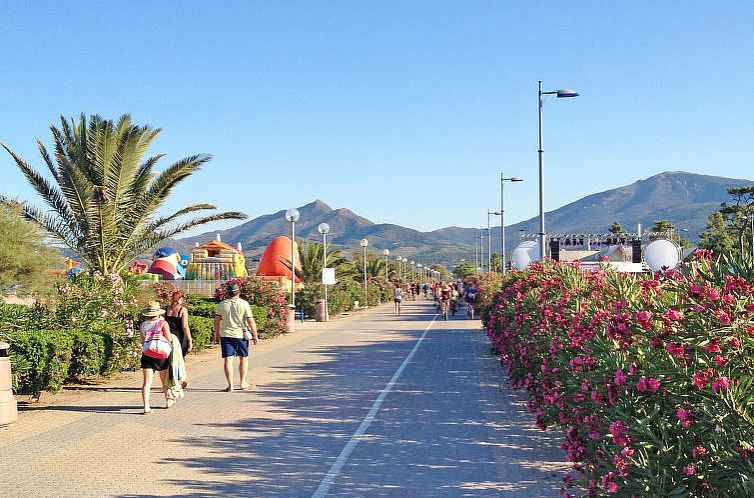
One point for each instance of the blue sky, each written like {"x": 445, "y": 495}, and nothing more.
{"x": 404, "y": 112}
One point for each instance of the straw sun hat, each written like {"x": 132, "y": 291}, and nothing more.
{"x": 153, "y": 309}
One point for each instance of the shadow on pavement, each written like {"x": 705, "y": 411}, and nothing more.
{"x": 447, "y": 429}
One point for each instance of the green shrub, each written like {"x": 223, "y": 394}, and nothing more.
{"x": 201, "y": 331}
{"x": 47, "y": 355}
{"x": 205, "y": 308}
{"x": 90, "y": 354}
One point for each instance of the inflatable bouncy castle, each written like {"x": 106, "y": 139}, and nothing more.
{"x": 169, "y": 264}
{"x": 216, "y": 260}
{"x": 275, "y": 263}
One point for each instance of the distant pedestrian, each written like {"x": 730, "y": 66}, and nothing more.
{"x": 156, "y": 339}
{"x": 177, "y": 315}
{"x": 232, "y": 316}
{"x": 397, "y": 298}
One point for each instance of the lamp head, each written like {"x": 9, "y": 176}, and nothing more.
{"x": 363, "y": 242}
{"x": 516, "y": 179}
{"x": 565, "y": 93}
{"x": 292, "y": 215}
{"x": 323, "y": 228}
{"x": 386, "y": 252}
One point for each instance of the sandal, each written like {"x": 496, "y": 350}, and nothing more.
{"x": 169, "y": 402}
{"x": 228, "y": 390}
{"x": 147, "y": 410}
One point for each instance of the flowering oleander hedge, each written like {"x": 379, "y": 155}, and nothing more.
{"x": 650, "y": 377}
{"x": 268, "y": 304}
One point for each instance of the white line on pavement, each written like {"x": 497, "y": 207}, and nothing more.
{"x": 328, "y": 480}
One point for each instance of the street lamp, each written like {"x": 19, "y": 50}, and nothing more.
{"x": 563, "y": 93}
{"x": 386, "y": 253}
{"x": 412, "y": 263}
{"x": 324, "y": 229}
{"x": 398, "y": 264}
{"x": 502, "y": 217}
{"x": 364, "y": 243}
{"x": 489, "y": 238}
{"x": 292, "y": 215}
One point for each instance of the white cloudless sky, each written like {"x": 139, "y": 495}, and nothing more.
{"x": 405, "y": 112}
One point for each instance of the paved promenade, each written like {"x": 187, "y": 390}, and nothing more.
{"x": 369, "y": 405}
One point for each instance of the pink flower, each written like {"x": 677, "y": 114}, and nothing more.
{"x": 689, "y": 470}
{"x": 702, "y": 377}
{"x": 720, "y": 361}
{"x": 699, "y": 451}
{"x": 724, "y": 318}
{"x": 673, "y": 315}
{"x": 713, "y": 294}
{"x": 676, "y": 350}
{"x": 643, "y": 316}
{"x": 620, "y": 377}
{"x": 721, "y": 384}
{"x": 685, "y": 416}
{"x": 647, "y": 384}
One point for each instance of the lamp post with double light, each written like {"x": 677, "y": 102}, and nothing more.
{"x": 489, "y": 238}
{"x": 563, "y": 93}
{"x": 292, "y": 215}
{"x": 364, "y": 243}
{"x": 502, "y": 217}
{"x": 324, "y": 229}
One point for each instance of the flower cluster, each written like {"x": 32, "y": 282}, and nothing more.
{"x": 651, "y": 377}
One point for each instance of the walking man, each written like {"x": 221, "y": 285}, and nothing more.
{"x": 232, "y": 315}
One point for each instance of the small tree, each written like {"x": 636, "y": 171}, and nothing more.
{"x": 616, "y": 228}
{"x": 27, "y": 259}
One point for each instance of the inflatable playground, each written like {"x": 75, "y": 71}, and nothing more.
{"x": 218, "y": 261}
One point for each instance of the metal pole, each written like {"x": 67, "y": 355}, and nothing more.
{"x": 489, "y": 243}
{"x": 366, "y": 294}
{"x": 540, "y": 153}
{"x": 502, "y": 227}
{"x": 293, "y": 267}
{"x": 324, "y": 263}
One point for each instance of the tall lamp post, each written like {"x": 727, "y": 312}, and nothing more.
{"x": 292, "y": 215}
{"x": 489, "y": 238}
{"x": 386, "y": 253}
{"x": 364, "y": 243}
{"x": 324, "y": 229}
{"x": 561, "y": 94}
{"x": 413, "y": 266}
{"x": 398, "y": 263}
{"x": 502, "y": 217}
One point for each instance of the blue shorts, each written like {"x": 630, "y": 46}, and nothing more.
{"x": 234, "y": 347}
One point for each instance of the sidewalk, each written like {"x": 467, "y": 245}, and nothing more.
{"x": 313, "y": 389}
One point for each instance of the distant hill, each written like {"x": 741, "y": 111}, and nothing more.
{"x": 685, "y": 199}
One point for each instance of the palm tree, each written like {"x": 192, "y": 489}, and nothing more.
{"x": 310, "y": 259}
{"x": 104, "y": 194}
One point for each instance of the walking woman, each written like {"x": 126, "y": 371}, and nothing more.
{"x": 156, "y": 339}
{"x": 177, "y": 317}
{"x": 397, "y": 298}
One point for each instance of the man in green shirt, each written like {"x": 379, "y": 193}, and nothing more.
{"x": 231, "y": 315}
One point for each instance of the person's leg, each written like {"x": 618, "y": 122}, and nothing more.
{"x": 243, "y": 367}
{"x": 164, "y": 379}
{"x": 145, "y": 387}
{"x": 229, "y": 372}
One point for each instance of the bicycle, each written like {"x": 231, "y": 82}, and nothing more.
{"x": 444, "y": 309}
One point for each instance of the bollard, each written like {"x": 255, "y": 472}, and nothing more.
{"x": 8, "y": 405}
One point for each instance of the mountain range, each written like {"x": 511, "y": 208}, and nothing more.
{"x": 684, "y": 199}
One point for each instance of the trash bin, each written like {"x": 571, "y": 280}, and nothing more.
{"x": 8, "y": 405}
{"x": 321, "y": 312}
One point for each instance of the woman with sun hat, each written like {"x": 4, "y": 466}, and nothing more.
{"x": 156, "y": 339}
